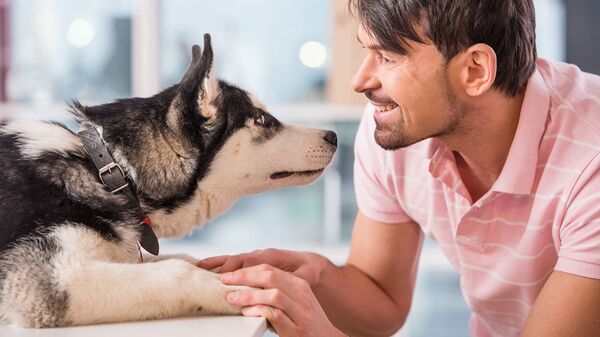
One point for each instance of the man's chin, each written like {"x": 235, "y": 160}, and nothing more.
{"x": 391, "y": 140}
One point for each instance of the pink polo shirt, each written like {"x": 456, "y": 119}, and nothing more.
{"x": 541, "y": 215}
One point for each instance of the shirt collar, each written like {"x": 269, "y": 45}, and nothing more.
{"x": 518, "y": 173}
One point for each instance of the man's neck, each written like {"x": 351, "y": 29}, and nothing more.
{"x": 482, "y": 144}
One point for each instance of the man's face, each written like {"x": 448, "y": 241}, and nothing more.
{"x": 412, "y": 94}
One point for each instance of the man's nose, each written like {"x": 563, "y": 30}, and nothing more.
{"x": 364, "y": 79}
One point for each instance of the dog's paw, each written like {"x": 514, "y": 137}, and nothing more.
{"x": 212, "y": 295}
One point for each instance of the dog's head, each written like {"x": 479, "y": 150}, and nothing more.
{"x": 207, "y": 136}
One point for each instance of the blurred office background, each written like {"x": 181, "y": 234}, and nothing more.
{"x": 297, "y": 56}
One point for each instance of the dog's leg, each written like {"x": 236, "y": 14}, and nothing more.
{"x": 111, "y": 292}
{"x": 162, "y": 257}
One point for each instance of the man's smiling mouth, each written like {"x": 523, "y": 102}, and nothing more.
{"x": 384, "y": 108}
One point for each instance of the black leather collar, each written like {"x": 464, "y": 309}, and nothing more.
{"x": 112, "y": 176}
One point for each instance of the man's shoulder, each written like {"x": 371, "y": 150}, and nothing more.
{"x": 558, "y": 72}
{"x": 574, "y": 99}
{"x": 570, "y": 85}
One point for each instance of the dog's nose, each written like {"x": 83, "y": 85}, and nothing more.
{"x": 331, "y": 138}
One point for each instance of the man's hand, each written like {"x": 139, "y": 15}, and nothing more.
{"x": 286, "y": 300}
{"x": 370, "y": 295}
{"x": 307, "y": 266}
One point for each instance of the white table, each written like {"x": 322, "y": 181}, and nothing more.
{"x": 216, "y": 326}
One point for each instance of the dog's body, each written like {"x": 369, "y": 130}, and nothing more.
{"x": 69, "y": 251}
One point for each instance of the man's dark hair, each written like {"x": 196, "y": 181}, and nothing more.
{"x": 507, "y": 26}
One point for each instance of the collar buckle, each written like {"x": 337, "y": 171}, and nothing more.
{"x": 108, "y": 168}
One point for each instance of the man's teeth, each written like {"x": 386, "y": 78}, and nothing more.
{"x": 384, "y": 108}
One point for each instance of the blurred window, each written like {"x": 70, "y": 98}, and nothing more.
{"x": 277, "y": 49}
{"x": 64, "y": 49}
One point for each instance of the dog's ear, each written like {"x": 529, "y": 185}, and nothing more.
{"x": 210, "y": 91}
{"x": 197, "y": 90}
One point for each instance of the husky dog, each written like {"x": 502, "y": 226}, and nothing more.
{"x": 69, "y": 251}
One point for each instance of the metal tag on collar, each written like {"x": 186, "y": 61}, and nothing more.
{"x": 148, "y": 239}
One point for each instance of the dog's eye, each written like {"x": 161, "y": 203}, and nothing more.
{"x": 260, "y": 120}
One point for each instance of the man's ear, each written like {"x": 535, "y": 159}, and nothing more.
{"x": 196, "y": 91}
{"x": 478, "y": 69}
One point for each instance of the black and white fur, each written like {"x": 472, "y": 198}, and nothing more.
{"x": 68, "y": 247}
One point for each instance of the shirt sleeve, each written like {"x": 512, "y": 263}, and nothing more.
{"x": 374, "y": 195}
{"x": 579, "y": 250}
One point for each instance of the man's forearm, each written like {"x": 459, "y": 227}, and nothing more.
{"x": 356, "y": 304}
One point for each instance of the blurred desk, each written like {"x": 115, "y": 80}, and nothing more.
{"x": 218, "y": 326}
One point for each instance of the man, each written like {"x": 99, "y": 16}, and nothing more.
{"x": 473, "y": 141}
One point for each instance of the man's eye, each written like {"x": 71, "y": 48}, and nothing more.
{"x": 383, "y": 59}
{"x": 260, "y": 120}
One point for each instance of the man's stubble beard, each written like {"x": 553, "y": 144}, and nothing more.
{"x": 394, "y": 137}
